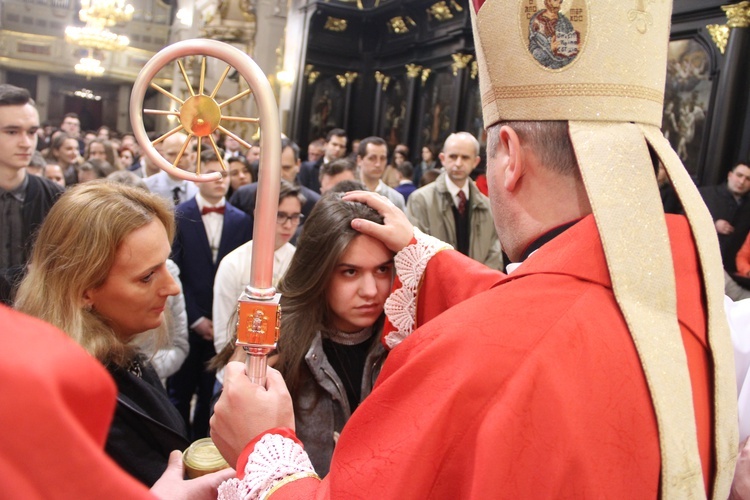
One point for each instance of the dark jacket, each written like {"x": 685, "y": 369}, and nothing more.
{"x": 321, "y": 408}
{"x": 41, "y": 194}
{"x": 244, "y": 199}
{"x": 722, "y": 205}
{"x": 192, "y": 254}
{"x": 309, "y": 174}
{"x": 146, "y": 426}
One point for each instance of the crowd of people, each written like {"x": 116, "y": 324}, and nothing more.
{"x": 445, "y": 333}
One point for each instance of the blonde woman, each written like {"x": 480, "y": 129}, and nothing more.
{"x": 98, "y": 272}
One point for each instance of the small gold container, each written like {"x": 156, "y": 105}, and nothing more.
{"x": 203, "y": 457}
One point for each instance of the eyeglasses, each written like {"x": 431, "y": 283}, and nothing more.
{"x": 283, "y": 217}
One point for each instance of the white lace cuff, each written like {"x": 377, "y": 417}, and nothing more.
{"x": 274, "y": 459}
{"x": 401, "y": 306}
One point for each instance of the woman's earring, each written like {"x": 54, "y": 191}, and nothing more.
{"x": 88, "y": 307}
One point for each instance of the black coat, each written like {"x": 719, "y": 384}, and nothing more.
{"x": 41, "y": 194}
{"x": 244, "y": 199}
{"x": 309, "y": 174}
{"x": 146, "y": 426}
{"x": 722, "y": 205}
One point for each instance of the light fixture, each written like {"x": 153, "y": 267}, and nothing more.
{"x": 185, "y": 16}
{"x": 87, "y": 94}
{"x": 98, "y": 16}
{"x": 105, "y": 12}
{"x": 89, "y": 67}
{"x": 285, "y": 78}
{"x": 94, "y": 37}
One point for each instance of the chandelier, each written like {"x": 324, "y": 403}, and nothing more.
{"x": 89, "y": 67}
{"x": 98, "y": 16}
{"x": 94, "y": 37}
{"x": 105, "y": 12}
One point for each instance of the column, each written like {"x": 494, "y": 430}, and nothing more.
{"x": 732, "y": 95}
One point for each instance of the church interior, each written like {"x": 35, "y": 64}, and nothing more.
{"x": 400, "y": 69}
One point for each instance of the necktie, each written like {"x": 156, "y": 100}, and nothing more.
{"x": 208, "y": 210}
{"x": 176, "y": 196}
{"x": 461, "y": 203}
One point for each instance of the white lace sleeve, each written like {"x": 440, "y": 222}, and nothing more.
{"x": 411, "y": 262}
{"x": 275, "y": 459}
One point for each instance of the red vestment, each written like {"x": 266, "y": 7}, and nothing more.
{"x": 57, "y": 405}
{"x": 529, "y": 388}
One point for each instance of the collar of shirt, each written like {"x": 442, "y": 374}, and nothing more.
{"x": 539, "y": 242}
{"x": 19, "y": 192}
{"x": 173, "y": 183}
{"x": 201, "y": 201}
{"x": 453, "y": 189}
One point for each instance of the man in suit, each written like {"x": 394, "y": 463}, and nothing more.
{"x": 244, "y": 197}
{"x": 232, "y": 148}
{"x": 71, "y": 125}
{"x": 405, "y": 173}
{"x": 452, "y": 209}
{"x": 24, "y": 199}
{"x": 208, "y": 228}
{"x": 730, "y": 210}
{"x": 343, "y": 169}
{"x": 169, "y": 187}
{"x": 142, "y": 165}
{"x": 335, "y": 147}
{"x": 372, "y": 156}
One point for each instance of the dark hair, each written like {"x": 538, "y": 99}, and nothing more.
{"x": 348, "y": 185}
{"x": 325, "y": 237}
{"x": 56, "y": 143}
{"x": 406, "y": 170}
{"x": 337, "y": 166}
{"x": 128, "y": 178}
{"x": 338, "y": 132}
{"x": 319, "y": 142}
{"x": 109, "y": 149}
{"x": 239, "y": 159}
{"x": 209, "y": 154}
{"x": 71, "y": 115}
{"x": 288, "y": 143}
{"x": 100, "y": 167}
{"x": 289, "y": 190}
{"x": 740, "y": 163}
{"x": 37, "y": 160}
{"x": 377, "y": 141}
{"x": 403, "y": 149}
{"x": 433, "y": 151}
{"x": 429, "y": 177}
{"x": 10, "y": 95}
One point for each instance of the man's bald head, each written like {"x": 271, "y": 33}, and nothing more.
{"x": 172, "y": 146}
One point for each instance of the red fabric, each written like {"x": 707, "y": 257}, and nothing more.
{"x": 481, "y": 278}
{"x": 743, "y": 258}
{"x": 532, "y": 388}
{"x": 209, "y": 210}
{"x": 249, "y": 447}
{"x": 481, "y": 183}
{"x": 57, "y": 405}
{"x": 297, "y": 489}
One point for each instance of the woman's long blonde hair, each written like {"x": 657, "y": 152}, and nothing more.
{"x": 75, "y": 251}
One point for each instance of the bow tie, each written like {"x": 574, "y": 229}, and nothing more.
{"x": 208, "y": 210}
